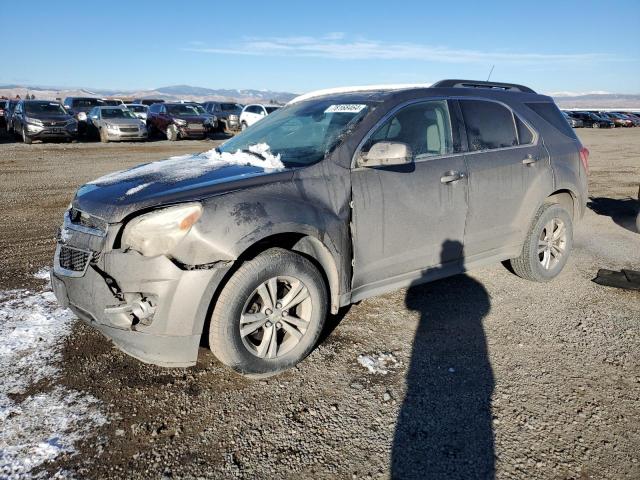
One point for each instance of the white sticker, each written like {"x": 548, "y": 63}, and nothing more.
{"x": 345, "y": 108}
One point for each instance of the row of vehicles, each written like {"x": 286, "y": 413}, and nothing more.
{"x": 113, "y": 120}
{"x": 601, "y": 119}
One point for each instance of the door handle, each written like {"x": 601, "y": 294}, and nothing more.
{"x": 451, "y": 176}
{"x": 529, "y": 160}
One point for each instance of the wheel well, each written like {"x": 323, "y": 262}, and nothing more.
{"x": 566, "y": 199}
{"x": 306, "y": 245}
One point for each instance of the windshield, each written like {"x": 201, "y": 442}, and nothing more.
{"x": 229, "y": 107}
{"x": 137, "y": 108}
{"x": 200, "y": 109}
{"x": 271, "y": 109}
{"x": 86, "y": 102}
{"x": 183, "y": 109}
{"x": 116, "y": 113}
{"x": 47, "y": 108}
{"x": 301, "y": 133}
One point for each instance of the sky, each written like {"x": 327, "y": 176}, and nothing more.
{"x": 298, "y": 46}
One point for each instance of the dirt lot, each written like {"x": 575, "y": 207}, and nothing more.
{"x": 494, "y": 376}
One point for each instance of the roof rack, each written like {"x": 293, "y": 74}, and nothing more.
{"x": 453, "y": 83}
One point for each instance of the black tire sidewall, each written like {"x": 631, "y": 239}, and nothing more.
{"x": 226, "y": 316}
{"x": 553, "y": 211}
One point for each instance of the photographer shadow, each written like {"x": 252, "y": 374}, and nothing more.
{"x": 444, "y": 428}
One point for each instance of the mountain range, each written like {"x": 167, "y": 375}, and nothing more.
{"x": 202, "y": 94}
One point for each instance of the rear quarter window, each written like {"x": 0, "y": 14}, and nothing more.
{"x": 489, "y": 125}
{"x": 551, "y": 113}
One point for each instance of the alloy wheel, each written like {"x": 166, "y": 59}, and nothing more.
{"x": 276, "y": 317}
{"x": 552, "y": 243}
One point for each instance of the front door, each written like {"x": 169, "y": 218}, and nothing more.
{"x": 409, "y": 219}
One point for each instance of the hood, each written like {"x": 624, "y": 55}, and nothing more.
{"x": 123, "y": 121}
{"x": 178, "y": 179}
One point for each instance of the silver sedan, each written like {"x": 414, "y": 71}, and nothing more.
{"x": 116, "y": 124}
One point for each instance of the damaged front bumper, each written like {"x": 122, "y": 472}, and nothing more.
{"x": 150, "y": 308}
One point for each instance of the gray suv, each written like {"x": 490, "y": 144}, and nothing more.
{"x": 330, "y": 200}
{"x": 227, "y": 113}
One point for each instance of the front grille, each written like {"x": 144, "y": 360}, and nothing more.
{"x": 74, "y": 259}
{"x": 85, "y": 220}
{"x": 55, "y": 124}
{"x": 128, "y": 129}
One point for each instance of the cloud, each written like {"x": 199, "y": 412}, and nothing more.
{"x": 337, "y": 46}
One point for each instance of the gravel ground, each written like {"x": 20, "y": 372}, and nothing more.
{"x": 486, "y": 375}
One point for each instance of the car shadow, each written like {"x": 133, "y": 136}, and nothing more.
{"x": 444, "y": 427}
{"x": 623, "y": 211}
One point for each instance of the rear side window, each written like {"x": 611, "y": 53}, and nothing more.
{"x": 551, "y": 113}
{"x": 489, "y": 125}
{"x": 525, "y": 136}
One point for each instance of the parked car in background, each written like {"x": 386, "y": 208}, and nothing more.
{"x": 211, "y": 124}
{"x": 43, "y": 120}
{"x": 112, "y": 102}
{"x": 3, "y": 106}
{"x": 331, "y": 200}
{"x": 147, "y": 101}
{"x": 574, "y": 122}
{"x": 255, "y": 112}
{"x": 115, "y": 124}
{"x": 79, "y": 107}
{"x": 176, "y": 121}
{"x": 9, "y": 107}
{"x": 634, "y": 119}
{"x": 617, "y": 120}
{"x": 139, "y": 110}
{"x": 228, "y": 114}
{"x": 592, "y": 120}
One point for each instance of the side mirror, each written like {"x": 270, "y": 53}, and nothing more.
{"x": 386, "y": 153}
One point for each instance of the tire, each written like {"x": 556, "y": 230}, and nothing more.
{"x": 26, "y": 138}
{"x": 172, "y": 133}
{"x": 243, "y": 126}
{"x": 103, "y": 136}
{"x": 541, "y": 261}
{"x": 595, "y": 125}
{"x": 252, "y": 354}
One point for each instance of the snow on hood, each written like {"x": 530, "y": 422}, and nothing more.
{"x": 183, "y": 167}
{"x": 44, "y": 425}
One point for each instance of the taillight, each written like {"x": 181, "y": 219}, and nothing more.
{"x": 584, "y": 157}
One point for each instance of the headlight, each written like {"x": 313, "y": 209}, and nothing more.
{"x": 82, "y": 116}
{"x": 112, "y": 127}
{"x": 180, "y": 122}
{"x": 159, "y": 232}
{"x": 33, "y": 121}
{"x": 233, "y": 117}
{"x": 214, "y": 118}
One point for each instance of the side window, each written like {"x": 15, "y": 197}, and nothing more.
{"x": 525, "y": 136}
{"x": 425, "y": 127}
{"x": 489, "y": 125}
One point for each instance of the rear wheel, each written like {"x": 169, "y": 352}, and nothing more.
{"x": 548, "y": 245}
{"x": 270, "y": 314}
{"x": 172, "y": 133}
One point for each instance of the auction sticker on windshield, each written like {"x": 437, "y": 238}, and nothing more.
{"x": 346, "y": 108}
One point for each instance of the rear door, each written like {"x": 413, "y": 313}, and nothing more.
{"x": 509, "y": 174}
{"x": 409, "y": 218}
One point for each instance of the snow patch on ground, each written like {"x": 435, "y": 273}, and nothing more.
{"x": 379, "y": 363}
{"x": 183, "y": 167}
{"x": 38, "y": 428}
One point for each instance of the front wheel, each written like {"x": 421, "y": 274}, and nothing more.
{"x": 243, "y": 127}
{"x": 172, "y": 133}
{"x": 25, "y": 137}
{"x": 548, "y": 245}
{"x": 104, "y": 138}
{"x": 595, "y": 125}
{"x": 270, "y": 314}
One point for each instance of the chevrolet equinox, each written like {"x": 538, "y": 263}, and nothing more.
{"x": 330, "y": 200}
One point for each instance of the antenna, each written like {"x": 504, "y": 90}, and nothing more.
{"x": 490, "y": 72}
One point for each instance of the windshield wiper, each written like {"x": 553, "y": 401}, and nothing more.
{"x": 255, "y": 154}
